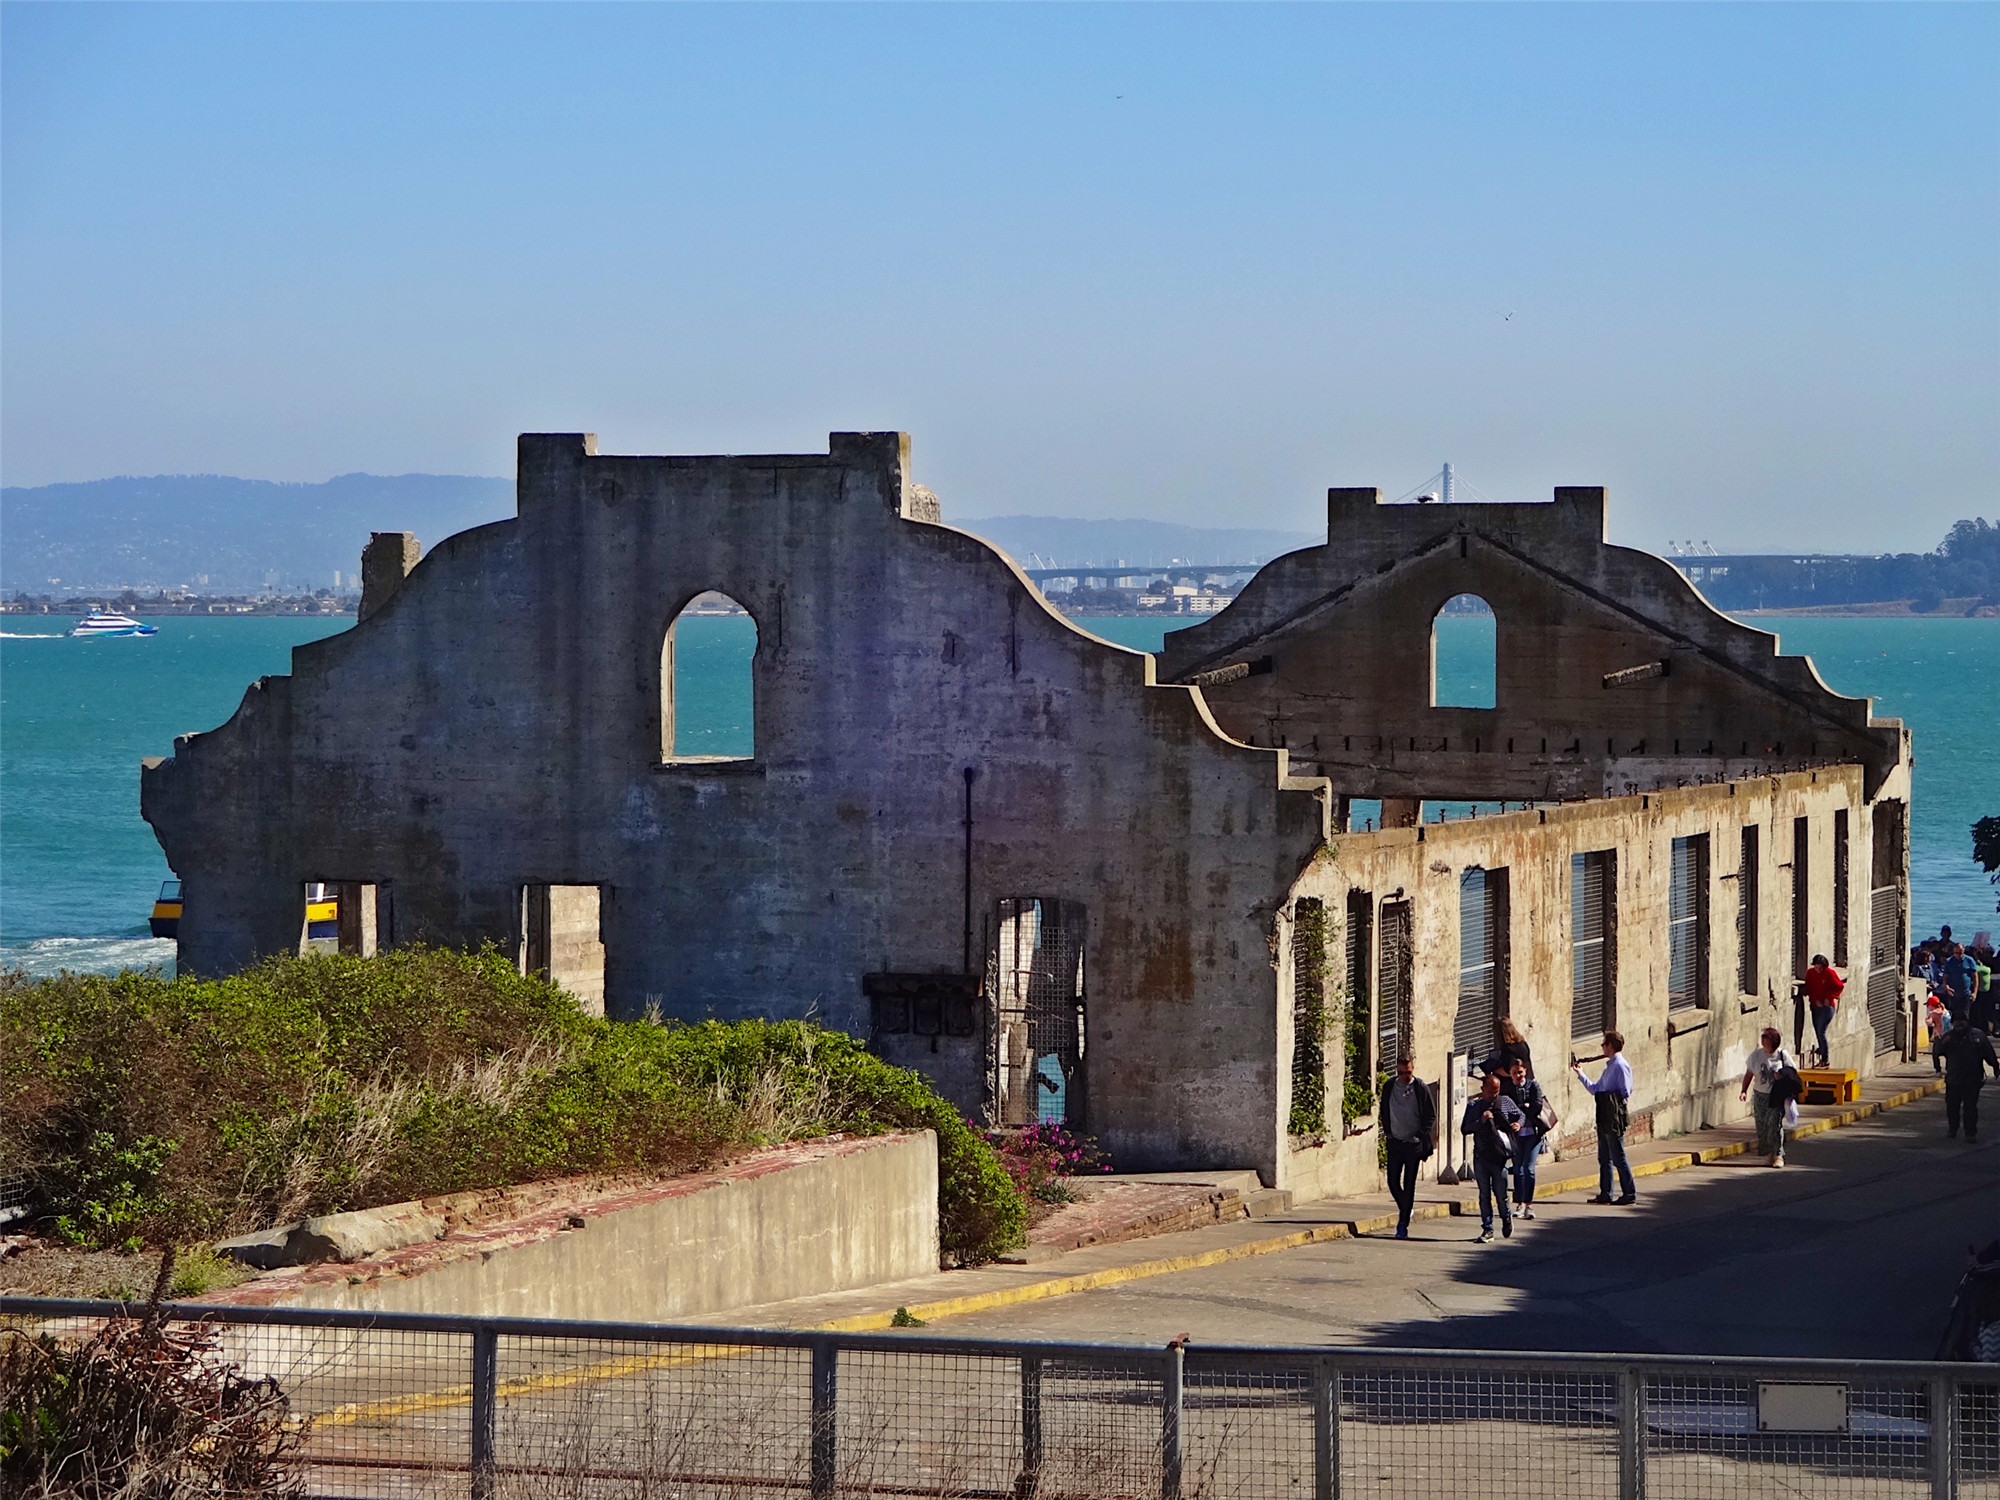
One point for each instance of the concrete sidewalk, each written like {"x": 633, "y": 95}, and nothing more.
{"x": 949, "y": 1294}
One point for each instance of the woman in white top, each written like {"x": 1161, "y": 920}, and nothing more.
{"x": 1765, "y": 1064}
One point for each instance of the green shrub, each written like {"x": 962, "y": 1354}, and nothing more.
{"x": 178, "y": 1110}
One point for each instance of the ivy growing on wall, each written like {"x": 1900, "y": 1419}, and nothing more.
{"x": 1357, "y": 1098}
{"x": 1309, "y": 1018}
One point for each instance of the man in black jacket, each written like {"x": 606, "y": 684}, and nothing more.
{"x": 1968, "y": 1053}
{"x": 1409, "y": 1126}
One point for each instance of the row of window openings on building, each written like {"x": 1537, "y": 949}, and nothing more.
{"x": 558, "y": 930}
{"x": 1483, "y": 926}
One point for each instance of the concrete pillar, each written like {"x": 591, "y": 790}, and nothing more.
{"x": 1401, "y": 812}
{"x": 385, "y": 562}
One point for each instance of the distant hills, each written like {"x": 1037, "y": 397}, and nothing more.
{"x": 218, "y": 535}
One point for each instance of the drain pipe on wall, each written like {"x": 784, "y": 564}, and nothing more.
{"x": 965, "y": 966}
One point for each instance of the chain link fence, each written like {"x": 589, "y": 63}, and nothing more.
{"x": 396, "y": 1405}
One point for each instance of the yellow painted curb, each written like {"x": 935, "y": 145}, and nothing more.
{"x": 1064, "y": 1286}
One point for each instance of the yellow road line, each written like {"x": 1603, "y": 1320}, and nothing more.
{"x": 1058, "y": 1286}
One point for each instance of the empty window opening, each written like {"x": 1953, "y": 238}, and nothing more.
{"x": 1840, "y": 887}
{"x": 562, "y": 940}
{"x": 1801, "y": 896}
{"x": 1035, "y": 975}
{"x": 1593, "y": 943}
{"x": 1396, "y": 983}
{"x": 1749, "y": 875}
{"x": 708, "y": 700}
{"x": 1464, "y": 654}
{"x": 1687, "y": 924}
{"x": 320, "y": 932}
{"x": 344, "y": 916}
{"x": 1482, "y": 961}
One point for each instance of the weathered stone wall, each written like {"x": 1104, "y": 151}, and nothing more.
{"x": 1687, "y": 1063}
{"x": 496, "y": 723}
{"x": 1338, "y": 643}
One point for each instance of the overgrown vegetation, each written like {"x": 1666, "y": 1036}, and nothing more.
{"x": 1308, "y": 1115}
{"x": 168, "y": 1111}
{"x": 139, "y": 1411}
{"x": 1357, "y": 1094}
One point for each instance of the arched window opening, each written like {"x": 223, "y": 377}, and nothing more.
{"x": 708, "y": 700}
{"x": 1464, "y": 654}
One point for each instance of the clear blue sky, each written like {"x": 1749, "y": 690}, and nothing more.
{"x": 1188, "y": 263}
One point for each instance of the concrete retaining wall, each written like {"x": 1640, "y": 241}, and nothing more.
{"x": 821, "y": 1217}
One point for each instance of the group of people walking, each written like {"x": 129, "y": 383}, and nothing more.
{"x": 1963, "y": 1009}
{"x": 1508, "y": 1121}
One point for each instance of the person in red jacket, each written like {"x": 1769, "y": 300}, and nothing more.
{"x": 1823, "y": 987}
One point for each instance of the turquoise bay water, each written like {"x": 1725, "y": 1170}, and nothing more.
{"x": 79, "y": 869}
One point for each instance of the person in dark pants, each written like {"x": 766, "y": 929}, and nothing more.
{"x": 1822, "y": 988}
{"x": 1528, "y": 1094}
{"x": 1409, "y": 1127}
{"x": 1612, "y": 1088}
{"x": 1494, "y": 1123}
{"x": 1968, "y": 1053}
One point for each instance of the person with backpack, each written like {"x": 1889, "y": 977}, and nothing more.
{"x": 1613, "y": 1091}
{"x": 1968, "y": 1053}
{"x": 1494, "y": 1122}
{"x": 1537, "y": 1120}
{"x": 1770, "y": 1082}
{"x": 1409, "y": 1131}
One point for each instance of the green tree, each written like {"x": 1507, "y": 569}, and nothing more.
{"x": 1986, "y": 847}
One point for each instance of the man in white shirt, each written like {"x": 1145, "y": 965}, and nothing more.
{"x": 1612, "y": 1088}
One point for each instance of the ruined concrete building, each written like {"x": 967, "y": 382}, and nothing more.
{"x": 1058, "y": 876}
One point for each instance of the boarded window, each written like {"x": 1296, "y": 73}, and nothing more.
{"x": 1482, "y": 960}
{"x": 1687, "y": 924}
{"x": 1801, "y": 897}
{"x": 1592, "y": 946}
{"x": 1887, "y": 947}
{"x": 1035, "y": 974}
{"x": 1888, "y": 922}
{"x": 562, "y": 940}
{"x": 1464, "y": 654}
{"x": 1749, "y": 875}
{"x": 1840, "y": 888}
{"x": 1397, "y": 970}
{"x": 708, "y": 700}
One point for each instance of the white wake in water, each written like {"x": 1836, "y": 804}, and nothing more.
{"x": 33, "y": 635}
{"x": 42, "y": 957}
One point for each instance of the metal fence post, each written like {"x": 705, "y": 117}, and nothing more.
{"x": 1030, "y": 1478}
{"x": 1170, "y": 1423}
{"x": 1631, "y": 1434}
{"x": 1326, "y": 1430}
{"x": 825, "y": 1381}
{"x": 1943, "y": 1393}
{"x": 485, "y": 1385}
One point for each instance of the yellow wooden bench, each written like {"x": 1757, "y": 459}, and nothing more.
{"x": 1830, "y": 1085}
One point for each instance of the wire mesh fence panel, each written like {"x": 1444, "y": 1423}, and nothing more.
{"x": 386, "y": 1412}
{"x": 1247, "y": 1429}
{"x": 1978, "y": 1434}
{"x": 1099, "y": 1429}
{"x": 921, "y": 1423}
{"x": 1731, "y": 1438}
{"x": 594, "y": 1419}
{"x": 1448, "y": 1428}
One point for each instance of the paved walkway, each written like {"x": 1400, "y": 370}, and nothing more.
{"x": 987, "y": 1289}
